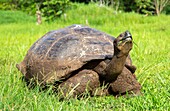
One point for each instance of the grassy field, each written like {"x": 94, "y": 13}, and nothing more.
{"x": 151, "y": 55}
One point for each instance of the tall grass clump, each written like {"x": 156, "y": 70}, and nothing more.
{"x": 150, "y": 54}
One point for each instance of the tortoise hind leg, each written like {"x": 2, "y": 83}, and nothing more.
{"x": 76, "y": 86}
{"x": 126, "y": 82}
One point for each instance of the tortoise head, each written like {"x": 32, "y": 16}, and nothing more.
{"x": 123, "y": 44}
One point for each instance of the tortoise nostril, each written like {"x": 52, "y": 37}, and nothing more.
{"x": 128, "y": 35}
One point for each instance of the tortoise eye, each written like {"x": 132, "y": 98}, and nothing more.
{"x": 121, "y": 35}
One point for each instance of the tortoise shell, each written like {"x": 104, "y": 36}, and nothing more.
{"x": 59, "y": 53}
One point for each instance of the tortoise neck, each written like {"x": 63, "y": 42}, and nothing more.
{"x": 115, "y": 67}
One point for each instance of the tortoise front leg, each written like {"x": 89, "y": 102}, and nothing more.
{"x": 84, "y": 81}
{"x": 126, "y": 82}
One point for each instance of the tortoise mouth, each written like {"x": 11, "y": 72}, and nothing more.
{"x": 125, "y": 40}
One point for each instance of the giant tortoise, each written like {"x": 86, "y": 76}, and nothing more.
{"x": 79, "y": 58}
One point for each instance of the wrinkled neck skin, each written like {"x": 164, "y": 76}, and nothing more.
{"x": 115, "y": 66}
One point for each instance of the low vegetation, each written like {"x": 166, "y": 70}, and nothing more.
{"x": 52, "y": 9}
{"x": 150, "y": 54}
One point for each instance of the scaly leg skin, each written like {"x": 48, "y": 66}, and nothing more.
{"x": 76, "y": 86}
{"x": 126, "y": 82}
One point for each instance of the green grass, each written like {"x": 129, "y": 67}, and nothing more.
{"x": 151, "y": 55}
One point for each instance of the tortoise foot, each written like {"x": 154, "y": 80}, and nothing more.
{"x": 126, "y": 83}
